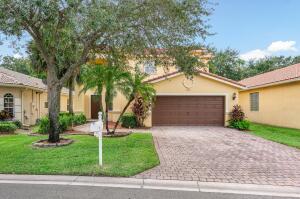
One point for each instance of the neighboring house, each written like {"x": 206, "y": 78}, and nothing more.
{"x": 25, "y": 97}
{"x": 273, "y": 97}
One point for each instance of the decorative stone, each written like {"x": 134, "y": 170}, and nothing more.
{"x": 46, "y": 144}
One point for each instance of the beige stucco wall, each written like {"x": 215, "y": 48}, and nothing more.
{"x": 278, "y": 105}
{"x": 199, "y": 86}
{"x": 174, "y": 86}
{"x": 29, "y": 105}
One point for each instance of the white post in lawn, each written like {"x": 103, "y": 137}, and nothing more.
{"x": 100, "y": 137}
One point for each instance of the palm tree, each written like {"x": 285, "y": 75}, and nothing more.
{"x": 98, "y": 77}
{"x": 135, "y": 86}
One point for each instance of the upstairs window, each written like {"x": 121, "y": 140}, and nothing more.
{"x": 254, "y": 101}
{"x": 9, "y": 103}
{"x": 149, "y": 67}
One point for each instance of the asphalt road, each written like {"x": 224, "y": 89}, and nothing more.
{"x": 27, "y": 191}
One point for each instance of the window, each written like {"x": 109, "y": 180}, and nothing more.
{"x": 254, "y": 101}
{"x": 149, "y": 67}
{"x": 46, "y": 105}
{"x": 9, "y": 103}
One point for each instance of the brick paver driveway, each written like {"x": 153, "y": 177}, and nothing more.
{"x": 216, "y": 154}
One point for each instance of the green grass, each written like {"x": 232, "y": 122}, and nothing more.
{"x": 123, "y": 156}
{"x": 287, "y": 136}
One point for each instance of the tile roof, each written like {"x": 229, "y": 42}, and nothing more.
{"x": 9, "y": 77}
{"x": 200, "y": 72}
{"x": 276, "y": 76}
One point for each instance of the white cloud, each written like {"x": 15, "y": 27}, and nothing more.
{"x": 273, "y": 48}
{"x": 17, "y": 55}
{"x": 254, "y": 55}
{"x": 277, "y": 46}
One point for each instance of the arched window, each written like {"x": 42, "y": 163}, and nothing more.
{"x": 9, "y": 103}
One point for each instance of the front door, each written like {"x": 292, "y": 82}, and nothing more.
{"x": 95, "y": 106}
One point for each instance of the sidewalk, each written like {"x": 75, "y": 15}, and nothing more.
{"x": 266, "y": 190}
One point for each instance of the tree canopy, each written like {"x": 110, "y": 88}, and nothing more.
{"x": 67, "y": 32}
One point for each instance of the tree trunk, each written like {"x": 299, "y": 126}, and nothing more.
{"x": 120, "y": 116}
{"x": 54, "y": 108}
{"x": 106, "y": 119}
{"x": 71, "y": 88}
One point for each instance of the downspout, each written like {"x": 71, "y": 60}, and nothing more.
{"x": 22, "y": 111}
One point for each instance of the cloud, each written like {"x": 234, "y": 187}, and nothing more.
{"x": 17, "y": 55}
{"x": 254, "y": 55}
{"x": 277, "y": 46}
{"x": 273, "y": 48}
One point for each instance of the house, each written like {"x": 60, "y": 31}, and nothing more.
{"x": 25, "y": 97}
{"x": 206, "y": 99}
{"x": 273, "y": 97}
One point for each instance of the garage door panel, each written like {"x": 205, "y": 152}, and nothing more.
{"x": 188, "y": 110}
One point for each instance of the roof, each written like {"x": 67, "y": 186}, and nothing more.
{"x": 281, "y": 75}
{"x": 9, "y": 77}
{"x": 208, "y": 74}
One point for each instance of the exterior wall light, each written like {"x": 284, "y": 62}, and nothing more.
{"x": 233, "y": 96}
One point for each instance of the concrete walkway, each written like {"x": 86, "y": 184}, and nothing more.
{"x": 216, "y": 154}
{"x": 195, "y": 186}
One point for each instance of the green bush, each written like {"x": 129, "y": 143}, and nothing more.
{"x": 79, "y": 119}
{"x": 7, "y": 127}
{"x": 42, "y": 125}
{"x": 65, "y": 120}
{"x": 18, "y": 123}
{"x": 129, "y": 121}
{"x": 240, "y": 125}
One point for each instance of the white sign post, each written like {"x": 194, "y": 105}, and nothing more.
{"x": 97, "y": 127}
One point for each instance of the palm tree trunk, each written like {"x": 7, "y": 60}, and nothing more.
{"x": 122, "y": 113}
{"x": 106, "y": 119}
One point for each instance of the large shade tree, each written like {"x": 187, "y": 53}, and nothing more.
{"x": 65, "y": 32}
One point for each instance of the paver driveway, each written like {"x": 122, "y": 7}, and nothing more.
{"x": 216, "y": 154}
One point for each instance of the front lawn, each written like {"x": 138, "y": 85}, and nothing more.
{"x": 123, "y": 156}
{"x": 287, "y": 136}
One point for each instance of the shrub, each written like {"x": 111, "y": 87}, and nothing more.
{"x": 240, "y": 125}
{"x": 237, "y": 119}
{"x": 140, "y": 109}
{"x": 79, "y": 119}
{"x": 18, "y": 123}
{"x": 7, "y": 127}
{"x": 65, "y": 120}
{"x": 237, "y": 113}
{"x": 129, "y": 121}
{"x": 42, "y": 125}
{"x": 4, "y": 115}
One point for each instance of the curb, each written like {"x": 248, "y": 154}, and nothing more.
{"x": 248, "y": 189}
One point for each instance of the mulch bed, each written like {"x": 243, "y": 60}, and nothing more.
{"x": 46, "y": 144}
{"x": 116, "y": 134}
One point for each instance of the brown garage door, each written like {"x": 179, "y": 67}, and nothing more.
{"x": 188, "y": 110}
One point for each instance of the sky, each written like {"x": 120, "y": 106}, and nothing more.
{"x": 256, "y": 28}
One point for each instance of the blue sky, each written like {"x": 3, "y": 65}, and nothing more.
{"x": 248, "y": 25}
{"x": 256, "y": 28}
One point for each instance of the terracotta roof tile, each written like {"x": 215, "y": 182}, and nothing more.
{"x": 282, "y": 74}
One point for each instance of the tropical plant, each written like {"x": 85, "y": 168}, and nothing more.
{"x": 141, "y": 109}
{"x": 237, "y": 118}
{"x": 66, "y": 33}
{"x": 129, "y": 121}
{"x": 135, "y": 86}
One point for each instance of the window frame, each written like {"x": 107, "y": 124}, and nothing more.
{"x": 254, "y": 101}
{"x": 10, "y": 109}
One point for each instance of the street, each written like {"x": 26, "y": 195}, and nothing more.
{"x": 28, "y": 191}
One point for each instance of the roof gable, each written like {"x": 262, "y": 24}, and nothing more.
{"x": 201, "y": 73}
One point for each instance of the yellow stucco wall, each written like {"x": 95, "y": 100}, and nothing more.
{"x": 278, "y": 105}
{"x": 174, "y": 86}
{"x": 199, "y": 86}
